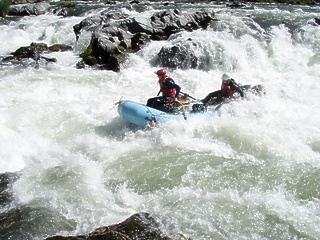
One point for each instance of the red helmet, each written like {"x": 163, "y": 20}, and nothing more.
{"x": 161, "y": 72}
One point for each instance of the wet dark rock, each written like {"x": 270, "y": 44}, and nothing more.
{"x": 32, "y": 51}
{"x": 29, "y": 9}
{"x": 4, "y": 21}
{"x": 183, "y": 55}
{"x": 111, "y": 40}
{"x": 35, "y": 51}
{"x": 140, "y": 226}
{"x": 177, "y": 57}
{"x": 65, "y": 9}
{"x": 236, "y": 4}
{"x": 25, "y": 1}
{"x": 80, "y": 65}
{"x": 60, "y": 48}
{"x": 91, "y": 23}
{"x": 139, "y": 40}
{"x": 6, "y": 179}
{"x": 134, "y": 2}
{"x": 17, "y": 223}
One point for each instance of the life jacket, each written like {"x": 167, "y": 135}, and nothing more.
{"x": 226, "y": 89}
{"x": 165, "y": 89}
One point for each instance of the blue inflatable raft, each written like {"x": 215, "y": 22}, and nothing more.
{"x": 142, "y": 115}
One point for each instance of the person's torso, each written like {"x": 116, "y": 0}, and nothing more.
{"x": 226, "y": 89}
{"x": 167, "y": 91}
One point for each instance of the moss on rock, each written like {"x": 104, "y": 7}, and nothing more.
{"x": 87, "y": 56}
{"x": 67, "y": 4}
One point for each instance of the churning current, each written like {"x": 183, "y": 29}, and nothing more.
{"x": 251, "y": 173}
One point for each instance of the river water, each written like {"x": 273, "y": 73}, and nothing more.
{"x": 251, "y": 173}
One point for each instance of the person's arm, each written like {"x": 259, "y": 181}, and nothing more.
{"x": 171, "y": 84}
{"x": 235, "y": 86}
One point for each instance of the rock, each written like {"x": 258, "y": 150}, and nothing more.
{"x": 140, "y": 226}
{"x": 64, "y": 8}
{"x": 18, "y": 222}
{"x": 139, "y": 40}
{"x": 91, "y": 22}
{"x": 49, "y": 59}
{"x": 183, "y": 55}
{"x": 80, "y": 65}
{"x": 24, "y": 1}
{"x": 4, "y": 21}
{"x": 6, "y": 179}
{"x": 60, "y": 48}
{"x": 35, "y": 50}
{"x": 236, "y": 4}
{"x": 134, "y": 2}
{"x": 111, "y": 41}
{"x": 29, "y": 9}
{"x": 177, "y": 57}
{"x": 11, "y": 59}
{"x": 32, "y": 51}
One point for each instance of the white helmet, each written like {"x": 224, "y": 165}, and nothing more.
{"x": 226, "y": 76}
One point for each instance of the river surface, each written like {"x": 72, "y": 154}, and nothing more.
{"x": 251, "y": 173}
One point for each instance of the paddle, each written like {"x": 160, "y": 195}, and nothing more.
{"x": 186, "y": 94}
{"x": 218, "y": 107}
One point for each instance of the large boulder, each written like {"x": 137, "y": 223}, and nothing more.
{"x": 185, "y": 54}
{"x": 140, "y": 226}
{"x": 178, "y": 56}
{"x": 29, "y": 9}
{"x": 112, "y": 40}
{"x": 93, "y": 22}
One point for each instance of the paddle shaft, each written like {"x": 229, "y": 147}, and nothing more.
{"x": 189, "y": 95}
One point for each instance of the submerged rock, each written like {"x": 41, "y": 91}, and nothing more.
{"x": 140, "y": 226}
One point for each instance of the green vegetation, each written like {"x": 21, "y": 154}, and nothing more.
{"x": 286, "y": 1}
{"x": 91, "y": 60}
{"x": 117, "y": 50}
{"x": 87, "y": 57}
{"x": 4, "y": 7}
{"x": 67, "y": 4}
{"x": 24, "y": 1}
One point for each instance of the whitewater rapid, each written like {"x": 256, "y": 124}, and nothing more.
{"x": 251, "y": 173}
